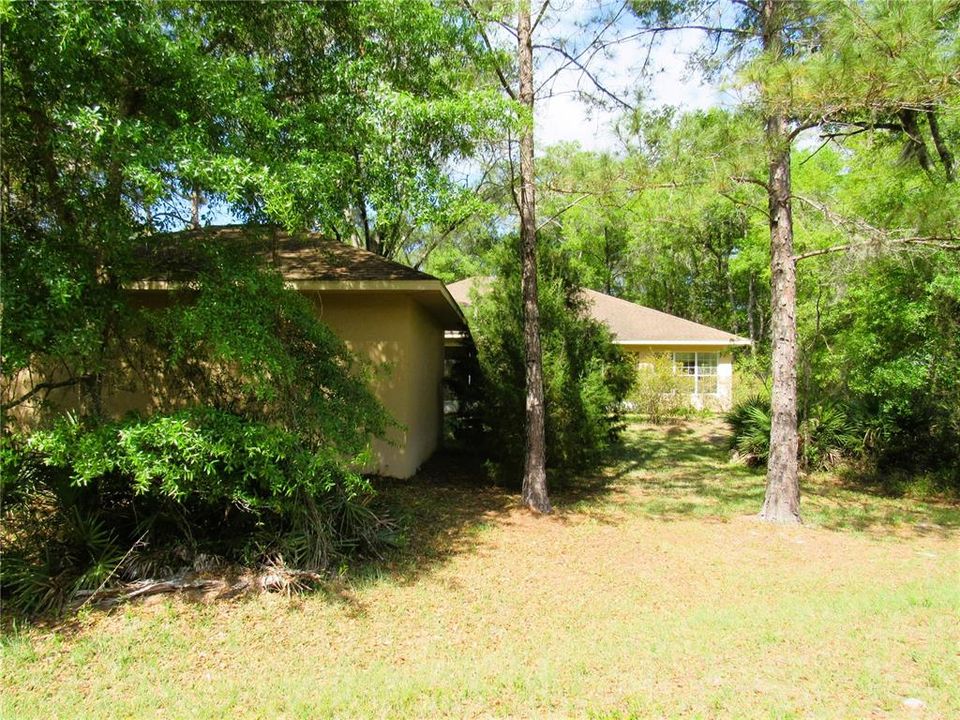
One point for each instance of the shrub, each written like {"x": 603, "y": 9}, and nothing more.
{"x": 196, "y": 481}
{"x": 586, "y": 376}
{"x": 659, "y": 392}
{"x": 893, "y": 359}
{"x": 827, "y": 436}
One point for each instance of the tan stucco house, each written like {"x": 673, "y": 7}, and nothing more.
{"x": 699, "y": 351}
{"x": 392, "y": 314}
{"x": 395, "y": 316}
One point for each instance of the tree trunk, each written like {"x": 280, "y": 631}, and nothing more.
{"x": 195, "y": 208}
{"x": 946, "y": 158}
{"x": 916, "y": 145}
{"x": 534, "y": 470}
{"x": 781, "y": 501}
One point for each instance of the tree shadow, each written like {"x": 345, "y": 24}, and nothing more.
{"x": 685, "y": 471}
{"x": 440, "y": 511}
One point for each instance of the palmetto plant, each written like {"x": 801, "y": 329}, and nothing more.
{"x": 827, "y": 436}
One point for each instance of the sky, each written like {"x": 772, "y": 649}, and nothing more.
{"x": 562, "y": 116}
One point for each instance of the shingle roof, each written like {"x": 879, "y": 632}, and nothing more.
{"x": 629, "y": 322}
{"x": 298, "y": 256}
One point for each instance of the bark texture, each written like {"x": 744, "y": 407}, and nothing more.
{"x": 946, "y": 158}
{"x": 781, "y": 501}
{"x": 534, "y": 467}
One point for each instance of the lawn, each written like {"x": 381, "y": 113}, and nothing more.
{"x": 651, "y": 592}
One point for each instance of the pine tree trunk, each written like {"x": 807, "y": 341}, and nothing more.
{"x": 781, "y": 501}
{"x": 534, "y": 470}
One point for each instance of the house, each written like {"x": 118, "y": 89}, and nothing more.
{"x": 392, "y": 314}
{"x": 701, "y": 352}
{"x": 384, "y": 311}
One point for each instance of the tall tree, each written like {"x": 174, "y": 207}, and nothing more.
{"x": 494, "y": 22}
{"x": 799, "y": 57}
{"x": 535, "y": 460}
{"x": 781, "y": 502}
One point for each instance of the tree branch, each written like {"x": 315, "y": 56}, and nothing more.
{"x": 946, "y": 158}
{"x": 540, "y": 13}
{"x": 486, "y": 40}
{"x": 876, "y": 237}
{"x": 568, "y": 206}
{"x": 571, "y": 60}
{"x": 39, "y": 387}
{"x": 935, "y": 241}
{"x": 750, "y": 180}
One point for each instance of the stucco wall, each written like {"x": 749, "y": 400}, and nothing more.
{"x": 395, "y": 332}
{"x": 724, "y": 396}
{"x": 389, "y": 328}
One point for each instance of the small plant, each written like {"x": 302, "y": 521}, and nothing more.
{"x": 827, "y": 437}
{"x": 659, "y": 392}
{"x": 750, "y": 421}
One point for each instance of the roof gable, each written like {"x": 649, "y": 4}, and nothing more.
{"x": 636, "y": 324}
{"x": 630, "y": 323}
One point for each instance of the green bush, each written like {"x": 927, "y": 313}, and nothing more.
{"x": 750, "y": 422}
{"x": 827, "y": 436}
{"x": 586, "y": 376}
{"x": 894, "y": 359}
{"x": 258, "y": 415}
{"x": 659, "y": 392}
{"x": 197, "y": 481}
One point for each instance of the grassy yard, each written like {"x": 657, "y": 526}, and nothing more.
{"x": 649, "y": 593}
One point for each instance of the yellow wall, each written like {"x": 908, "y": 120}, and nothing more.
{"x": 723, "y": 400}
{"x": 389, "y": 328}
{"x": 394, "y": 331}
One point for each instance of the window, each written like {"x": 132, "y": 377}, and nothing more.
{"x": 702, "y": 369}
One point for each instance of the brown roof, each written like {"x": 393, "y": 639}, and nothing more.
{"x": 629, "y": 322}
{"x": 637, "y": 324}
{"x": 298, "y": 256}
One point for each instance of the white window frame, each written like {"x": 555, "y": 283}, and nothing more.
{"x": 697, "y": 374}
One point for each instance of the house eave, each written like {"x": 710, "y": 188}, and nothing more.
{"x": 445, "y": 307}
{"x": 712, "y": 343}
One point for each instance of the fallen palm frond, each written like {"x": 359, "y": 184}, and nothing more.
{"x": 272, "y": 577}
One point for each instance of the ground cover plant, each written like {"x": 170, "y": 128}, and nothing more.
{"x": 650, "y": 592}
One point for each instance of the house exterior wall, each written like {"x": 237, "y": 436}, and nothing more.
{"x": 392, "y": 330}
{"x": 722, "y": 400}
{"x": 397, "y": 334}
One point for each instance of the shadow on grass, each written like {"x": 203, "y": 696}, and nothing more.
{"x": 684, "y": 470}
{"x": 441, "y": 510}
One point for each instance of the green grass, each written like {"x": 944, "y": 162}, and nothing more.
{"x": 650, "y": 593}
{"x": 685, "y": 469}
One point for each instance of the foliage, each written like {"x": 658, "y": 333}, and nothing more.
{"x": 119, "y": 118}
{"x": 666, "y": 226}
{"x": 586, "y": 377}
{"x": 893, "y": 358}
{"x": 828, "y": 436}
{"x": 750, "y": 423}
{"x": 172, "y": 487}
{"x": 659, "y": 392}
